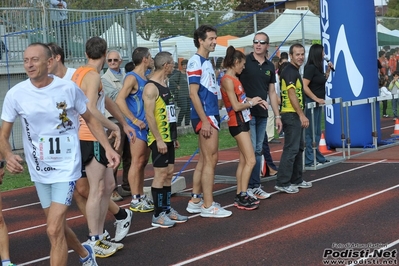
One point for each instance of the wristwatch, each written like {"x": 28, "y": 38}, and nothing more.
{"x": 2, "y": 164}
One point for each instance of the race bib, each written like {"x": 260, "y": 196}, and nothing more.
{"x": 171, "y": 113}
{"x": 57, "y": 148}
{"x": 246, "y": 114}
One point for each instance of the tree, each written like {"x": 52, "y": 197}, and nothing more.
{"x": 247, "y": 26}
{"x": 391, "y": 20}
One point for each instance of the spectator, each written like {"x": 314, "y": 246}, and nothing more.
{"x": 314, "y": 81}
{"x": 385, "y": 93}
{"x": 258, "y": 78}
{"x": 289, "y": 176}
{"x": 112, "y": 81}
{"x": 162, "y": 139}
{"x": 394, "y": 88}
{"x": 237, "y": 107}
{"x": 3, "y": 49}
{"x": 205, "y": 121}
{"x": 179, "y": 82}
{"x": 59, "y": 17}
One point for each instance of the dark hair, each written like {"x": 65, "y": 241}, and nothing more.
{"x": 184, "y": 62}
{"x": 295, "y": 45}
{"x": 395, "y": 73}
{"x": 47, "y": 50}
{"x": 381, "y": 82}
{"x": 129, "y": 67}
{"x": 139, "y": 54}
{"x": 315, "y": 57}
{"x": 96, "y": 48}
{"x": 284, "y": 55}
{"x": 201, "y": 33}
{"x": 219, "y": 62}
{"x": 56, "y": 50}
{"x": 264, "y": 34}
{"x": 381, "y": 53}
{"x": 281, "y": 67}
{"x": 161, "y": 59}
{"x": 232, "y": 55}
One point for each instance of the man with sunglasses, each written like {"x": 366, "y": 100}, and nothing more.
{"x": 112, "y": 81}
{"x": 258, "y": 78}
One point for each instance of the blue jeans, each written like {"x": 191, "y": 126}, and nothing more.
{"x": 267, "y": 155}
{"x": 395, "y": 107}
{"x": 309, "y": 160}
{"x": 290, "y": 168}
{"x": 257, "y": 127}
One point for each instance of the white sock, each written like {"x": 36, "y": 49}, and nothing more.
{"x": 5, "y": 262}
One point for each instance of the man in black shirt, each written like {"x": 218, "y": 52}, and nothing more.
{"x": 258, "y": 78}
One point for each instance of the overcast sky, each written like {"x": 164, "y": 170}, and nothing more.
{"x": 380, "y": 2}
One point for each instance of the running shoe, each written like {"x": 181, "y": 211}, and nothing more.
{"x": 193, "y": 207}
{"x": 176, "y": 217}
{"x": 258, "y": 192}
{"x": 303, "y": 184}
{"x": 123, "y": 226}
{"x": 288, "y": 189}
{"x": 215, "y": 211}
{"x": 245, "y": 203}
{"x": 101, "y": 249}
{"x": 162, "y": 221}
{"x": 107, "y": 240}
{"x": 90, "y": 260}
{"x": 115, "y": 196}
{"x": 141, "y": 206}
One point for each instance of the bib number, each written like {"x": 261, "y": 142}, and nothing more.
{"x": 56, "y": 148}
{"x": 171, "y": 113}
{"x": 246, "y": 114}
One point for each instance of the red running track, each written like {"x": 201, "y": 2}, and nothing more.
{"x": 354, "y": 201}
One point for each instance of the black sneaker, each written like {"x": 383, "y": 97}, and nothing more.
{"x": 244, "y": 203}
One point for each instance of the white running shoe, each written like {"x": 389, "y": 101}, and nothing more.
{"x": 90, "y": 260}
{"x": 215, "y": 211}
{"x": 193, "y": 207}
{"x": 123, "y": 226}
{"x": 258, "y": 192}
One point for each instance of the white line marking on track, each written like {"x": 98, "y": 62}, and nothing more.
{"x": 245, "y": 241}
{"x": 228, "y": 206}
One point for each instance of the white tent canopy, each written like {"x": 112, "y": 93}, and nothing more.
{"x": 185, "y": 47}
{"x": 116, "y": 37}
{"x": 282, "y": 27}
{"x": 381, "y": 28}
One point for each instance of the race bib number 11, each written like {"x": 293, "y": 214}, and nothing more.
{"x": 56, "y": 148}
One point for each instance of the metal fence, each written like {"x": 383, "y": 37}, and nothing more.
{"x": 123, "y": 29}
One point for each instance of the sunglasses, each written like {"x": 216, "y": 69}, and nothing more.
{"x": 115, "y": 60}
{"x": 259, "y": 41}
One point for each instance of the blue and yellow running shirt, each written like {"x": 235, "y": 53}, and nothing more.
{"x": 165, "y": 115}
{"x": 291, "y": 79}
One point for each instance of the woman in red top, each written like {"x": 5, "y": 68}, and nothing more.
{"x": 237, "y": 106}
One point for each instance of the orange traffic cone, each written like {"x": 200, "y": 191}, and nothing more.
{"x": 396, "y": 129}
{"x": 323, "y": 146}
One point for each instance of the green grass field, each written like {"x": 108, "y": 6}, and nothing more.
{"x": 188, "y": 144}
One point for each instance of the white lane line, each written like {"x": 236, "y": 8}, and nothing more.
{"x": 245, "y": 241}
{"x": 196, "y": 215}
{"x": 124, "y": 205}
